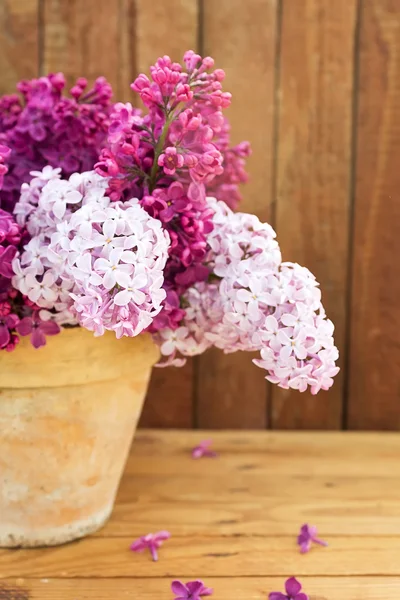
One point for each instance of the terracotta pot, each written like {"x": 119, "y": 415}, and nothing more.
{"x": 67, "y": 416}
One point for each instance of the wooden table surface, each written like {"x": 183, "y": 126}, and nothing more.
{"x": 234, "y": 521}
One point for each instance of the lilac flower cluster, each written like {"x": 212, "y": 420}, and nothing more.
{"x": 170, "y": 157}
{"x": 147, "y": 240}
{"x": 10, "y": 236}
{"x": 90, "y": 260}
{"x": 41, "y": 127}
{"x": 253, "y": 301}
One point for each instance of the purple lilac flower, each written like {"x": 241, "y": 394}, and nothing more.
{"x": 193, "y": 590}
{"x": 4, "y": 155}
{"x": 152, "y": 541}
{"x": 8, "y": 323}
{"x": 293, "y": 591}
{"x": 37, "y": 329}
{"x": 42, "y": 126}
{"x": 203, "y": 449}
{"x": 308, "y": 535}
{"x": 171, "y": 157}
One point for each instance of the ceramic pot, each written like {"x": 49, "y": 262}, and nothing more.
{"x": 68, "y": 412}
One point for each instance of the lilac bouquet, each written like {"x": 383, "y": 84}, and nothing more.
{"x": 122, "y": 220}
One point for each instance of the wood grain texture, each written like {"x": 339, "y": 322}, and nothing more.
{"x": 234, "y": 527}
{"x": 167, "y": 28}
{"x": 83, "y": 39}
{"x": 19, "y": 42}
{"x": 231, "y": 391}
{"x": 313, "y": 175}
{"x": 219, "y": 557}
{"x": 374, "y": 385}
{"x": 237, "y": 588}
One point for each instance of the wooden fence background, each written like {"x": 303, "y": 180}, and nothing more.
{"x": 316, "y": 87}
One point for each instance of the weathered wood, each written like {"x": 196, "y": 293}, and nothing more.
{"x": 313, "y": 175}
{"x": 374, "y": 388}
{"x": 19, "y": 42}
{"x": 231, "y": 391}
{"x": 228, "y": 518}
{"x": 245, "y": 588}
{"x": 296, "y": 454}
{"x": 253, "y": 517}
{"x": 82, "y": 39}
{"x": 187, "y": 557}
{"x": 166, "y": 28}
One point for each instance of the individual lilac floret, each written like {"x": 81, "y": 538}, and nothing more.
{"x": 203, "y": 449}
{"x": 293, "y": 591}
{"x": 152, "y": 541}
{"x": 307, "y": 536}
{"x": 193, "y": 590}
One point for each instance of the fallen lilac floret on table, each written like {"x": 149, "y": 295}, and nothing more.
{"x": 152, "y": 541}
{"x": 203, "y": 449}
{"x": 307, "y": 536}
{"x": 293, "y": 591}
{"x": 193, "y": 590}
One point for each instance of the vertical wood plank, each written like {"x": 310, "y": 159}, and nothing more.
{"x": 82, "y": 39}
{"x": 313, "y": 175}
{"x": 241, "y": 36}
{"x": 374, "y": 384}
{"x": 19, "y": 42}
{"x": 166, "y": 28}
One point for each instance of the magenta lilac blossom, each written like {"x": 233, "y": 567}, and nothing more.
{"x": 292, "y": 589}
{"x": 41, "y": 125}
{"x": 116, "y": 220}
{"x": 4, "y": 155}
{"x": 203, "y": 449}
{"x": 37, "y": 329}
{"x": 307, "y": 536}
{"x": 170, "y": 157}
{"x": 193, "y": 590}
{"x": 152, "y": 542}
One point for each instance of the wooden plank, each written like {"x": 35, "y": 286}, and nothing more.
{"x": 169, "y": 400}
{"x": 166, "y": 28}
{"x": 231, "y": 392}
{"x": 19, "y": 42}
{"x": 319, "y": 588}
{"x": 186, "y": 557}
{"x": 82, "y": 39}
{"x": 295, "y": 453}
{"x": 374, "y": 385}
{"x": 283, "y": 445}
{"x": 313, "y": 175}
{"x": 268, "y": 516}
{"x": 253, "y": 488}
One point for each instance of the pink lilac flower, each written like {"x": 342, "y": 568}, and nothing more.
{"x": 307, "y": 536}
{"x": 170, "y": 160}
{"x": 293, "y": 591}
{"x": 203, "y": 449}
{"x": 37, "y": 329}
{"x": 253, "y": 302}
{"x": 171, "y": 156}
{"x": 152, "y": 541}
{"x": 193, "y": 590}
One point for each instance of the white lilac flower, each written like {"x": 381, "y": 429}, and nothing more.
{"x": 95, "y": 262}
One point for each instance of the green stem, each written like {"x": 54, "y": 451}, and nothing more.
{"x": 157, "y": 152}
